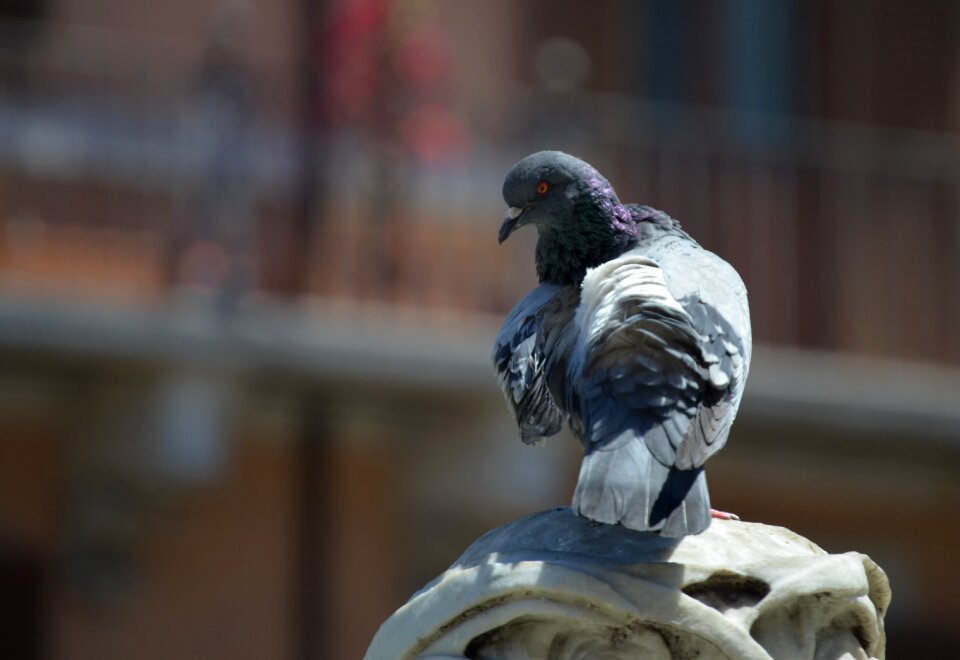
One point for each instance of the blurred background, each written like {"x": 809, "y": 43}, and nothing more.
{"x": 249, "y": 280}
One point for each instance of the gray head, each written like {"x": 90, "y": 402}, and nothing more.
{"x": 580, "y": 221}
{"x": 545, "y": 188}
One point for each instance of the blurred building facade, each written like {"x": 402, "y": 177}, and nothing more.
{"x": 249, "y": 279}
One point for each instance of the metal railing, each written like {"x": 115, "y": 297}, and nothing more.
{"x": 119, "y": 181}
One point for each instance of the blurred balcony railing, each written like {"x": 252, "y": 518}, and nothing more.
{"x": 127, "y": 176}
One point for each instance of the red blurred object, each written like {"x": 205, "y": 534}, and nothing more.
{"x": 349, "y": 54}
{"x": 425, "y": 58}
{"x": 434, "y": 134}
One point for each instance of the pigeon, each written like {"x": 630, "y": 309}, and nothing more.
{"x": 637, "y": 337}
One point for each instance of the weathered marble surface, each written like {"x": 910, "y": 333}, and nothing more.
{"x": 554, "y": 585}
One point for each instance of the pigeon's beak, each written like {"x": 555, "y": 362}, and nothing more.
{"x": 511, "y": 220}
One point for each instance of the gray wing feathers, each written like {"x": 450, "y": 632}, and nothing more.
{"x": 657, "y": 380}
{"x": 518, "y": 360}
{"x": 716, "y": 301}
{"x": 725, "y": 376}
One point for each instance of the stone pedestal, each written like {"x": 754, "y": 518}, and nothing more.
{"x": 554, "y": 585}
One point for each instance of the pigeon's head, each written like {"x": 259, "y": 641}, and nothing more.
{"x": 547, "y": 188}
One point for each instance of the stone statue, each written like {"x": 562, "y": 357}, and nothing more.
{"x": 558, "y": 586}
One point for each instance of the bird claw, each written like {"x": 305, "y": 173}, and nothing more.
{"x": 723, "y": 515}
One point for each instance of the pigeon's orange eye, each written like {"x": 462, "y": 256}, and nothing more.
{"x": 542, "y": 188}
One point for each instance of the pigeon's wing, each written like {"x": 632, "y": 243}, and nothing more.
{"x": 519, "y": 359}
{"x": 714, "y": 297}
{"x": 726, "y": 358}
{"x": 656, "y": 386}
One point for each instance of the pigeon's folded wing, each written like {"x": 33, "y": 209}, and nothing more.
{"x": 651, "y": 379}
{"x": 518, "y": 360}
{"x": 723, "y": 352}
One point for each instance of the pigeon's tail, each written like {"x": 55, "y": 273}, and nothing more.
{"x": 624, "y": 483}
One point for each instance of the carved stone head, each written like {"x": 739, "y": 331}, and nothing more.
{"x": 557, "y": 586}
